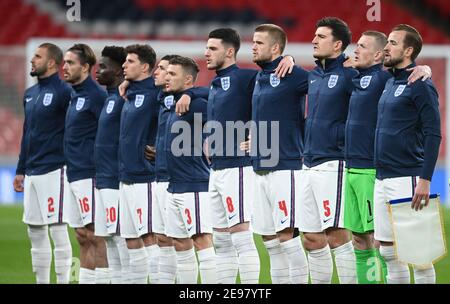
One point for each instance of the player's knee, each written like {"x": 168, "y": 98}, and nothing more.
{"x": 337, "y": 237}
{"x": 164, "y": 241}
{"x": 314, "y": 241}
{"x": 362, "y": 241}
{"x": 182, "y": 244}
{"x": 240, "y": 227}
{"x": 286, "y": 234}
{"x": 267, "y": 238}
{"x": 202, "y": 241}
{"x": 82, "y": 236}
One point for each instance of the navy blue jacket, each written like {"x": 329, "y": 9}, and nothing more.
{"x": 282, "y": 101}
{"x": 45, "y": 105}
{"x": 188, "y": 172}
{"x": 362, "y": 116}
{"x": 329, "y": 92}
{"x": 166, "y": 101}
{"x": 230, "y": 100}
{"x": 408, "y": 131}
{"x": 81, "y": 127}
{"x": 138, "y": 127}
{"x": 107, "y": 142}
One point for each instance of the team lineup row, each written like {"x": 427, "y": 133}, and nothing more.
{"x": 123, "y": 166}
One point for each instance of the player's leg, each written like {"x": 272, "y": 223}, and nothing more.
{"x": 398, "y": 273}
{"x": 284, "y": 197}
{"x": 167, "y": 259}
{"x": 263, "y": 225}
{"x": 150, "y": 241}
{"x": 358, "y": 218}
{"x": 133, "y": 212}
{"x": 314, "y": 239}
{"x": 328, "y": 186}
{"x": 50, "y": 191}
{"x": 101, "y": 219}
{"x": 187, "y": 267}
{"x": 201, "y": 233}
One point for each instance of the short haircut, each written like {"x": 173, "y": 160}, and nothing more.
{"x": 54, "y": 52}
{"x": 169, "y": 57}
{"x": 275, "y": 32}
{"x": 115, "y": 53}
{"x": 412, "y": 39}
{"x": 339, "y": 30}
{"x": 380, "y": 38}
{"x": 188, "y": 65}
{"x": 228, "y": 36}
{"x": 85, "y": 54}
{"x": 145, "y": 53}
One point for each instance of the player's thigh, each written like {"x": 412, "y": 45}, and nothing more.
{"x": 83, "y": 191}
{"x": 158, "y": 208}
{"x": 283, "y": 197}
{"x": 197, "y": 214}
{"x": 175, "y": 226}
{"x": 307, "y": 214}
{"x": 364, "y": 188}
{"x": 110, "y": 199}
{"x": 262, "y": 219}
{"x": 328, "y": 185}
{"x": 135, "y": 207}
{"x": 32, "y": 213}
{"x": 382, "y": 224}
{"x": 218, "y": 213}
{"x": 352, "y": 215}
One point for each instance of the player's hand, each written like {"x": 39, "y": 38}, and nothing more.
{"x": 206, "y": 151}
{"x": 421, "y": 195}
{"x": 349, "y": 62}
{"x": 246, "y": 145}
{"x": 285, "y": 66}
{"x": 419, "y": 72}
{"x": 182, "y": 105}
{"x": 18, "y": 183}
{"x": 123, "y": 88}
{"x": 150, "y": 152}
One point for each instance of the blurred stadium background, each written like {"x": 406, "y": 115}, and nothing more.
{"x": 181, "y": 27}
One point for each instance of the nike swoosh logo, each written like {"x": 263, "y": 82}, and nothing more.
{"x": 189, "y": 229}
{"x": 110, "y": 225}
{"x": 326, "y": 221}
{"x": 368, "y": 222}
{"x": 284, "y": 221}
{"x": 140, "y": 228}
{"x": 50, "y": 215}
{"x": 84, "y": 216}
{"x": 232, "y": 216}
{"x": 28, "y": 99}
{"x": 312, "y": 81}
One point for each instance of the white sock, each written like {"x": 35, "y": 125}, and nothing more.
{"x": 248, "y": 257}
{"x": 138, "y": 266}
{"x": 153, "y": 260}
{"x": 187, "y": 267}
{"x": 226, "y": 258}
{"x": 279, "y": 264}
{"x": 102, "y": 276}
{"x": 62, "y": 252}
{"x": 41, "y": 253}
{"x": 124, "y": 255}
{"x": 320, "y": 265}
{"x": 114, "y": 266}
{"x": 87, "y": 276}
{"x": 424, "y": 275}
{"x": 167, "y": 265}
{"x": 344, "y": 257}
{"x": 207, "y": 265}
{"x": 398, "y": 273}
{"x": 298, "y": 264}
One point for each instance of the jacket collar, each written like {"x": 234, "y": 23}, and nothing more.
{"x": 47, "y": 80}
{"x": 402, "y": 74}
{"x": 371, "y": 69}
{"x": 331, "y": 63}
{"x": 269, "y": 67}
{"x": 226, "y": 70}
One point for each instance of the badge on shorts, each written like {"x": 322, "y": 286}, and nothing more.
{"x": 333, "y": 81}
{"x": 274, "y": 80}
{"x": 365, "y": 81}
{"x": 110, "y": 106}
{"x": 168, "y": 101}
{"x": 226, "y": 83}
{"x": 399, "y": 90}
{"x": 47, "y": 99}
{"x": 80, "y": 103}
{"x": 139, "y": 100}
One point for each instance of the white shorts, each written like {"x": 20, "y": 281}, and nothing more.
{"x": 386, "y": 190}
{"x": 321, "y": 192}
{"x": 159, "y": 216}
{"x": 136, "y": 209}
{"x": 188, "y": 214}
{"x": 80, "y": 203}
{"x": 231, "y": 192}
{"x": 106, "y": 212}
{"x": 275, "y": 201}
{"x": 44, "y": 198}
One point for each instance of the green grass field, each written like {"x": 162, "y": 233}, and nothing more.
{"x": 15, "y": 260}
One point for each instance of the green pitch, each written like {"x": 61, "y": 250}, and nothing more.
{"x": 15, "y": 260}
